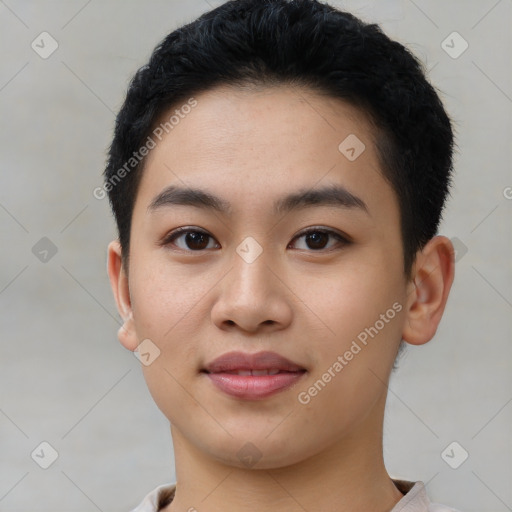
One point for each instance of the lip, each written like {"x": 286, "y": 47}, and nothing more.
{"x": 234, "y": 361}
{"x": 222, "y": 372}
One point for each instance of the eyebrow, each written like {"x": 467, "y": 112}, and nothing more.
{"x": 334, "y": 195}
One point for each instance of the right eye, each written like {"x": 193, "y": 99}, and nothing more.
{"x": 192, "y": 240}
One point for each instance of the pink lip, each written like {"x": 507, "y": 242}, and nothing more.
{"x": 222, "y": 372}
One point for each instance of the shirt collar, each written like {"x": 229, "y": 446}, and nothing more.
{"x": 415, "y": 497}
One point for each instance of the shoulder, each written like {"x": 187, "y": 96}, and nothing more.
{"x": 157, "y": 499}
{"x": 415, "y": 498}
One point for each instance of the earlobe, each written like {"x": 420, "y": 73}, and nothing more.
{"x": 433, "y": 276}
{"x": 120, "y": 288}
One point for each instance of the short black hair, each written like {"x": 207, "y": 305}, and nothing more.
{"x": 298, "y": 43}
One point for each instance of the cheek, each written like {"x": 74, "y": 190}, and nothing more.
{"x": 173, "y": 394}
{"x": 362, "y": 313}
{"x": 166, "y": 296}
{"x": 353, "y": 364}
{"x": 349, "y": 300}
{"x": 166, "y": 306}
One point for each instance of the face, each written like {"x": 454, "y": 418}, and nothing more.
{"x": 290, "y": 244}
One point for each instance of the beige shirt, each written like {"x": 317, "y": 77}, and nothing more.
{"x": 415, "y": 499}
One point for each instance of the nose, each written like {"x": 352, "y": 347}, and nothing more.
{"x": 253, "y": 297}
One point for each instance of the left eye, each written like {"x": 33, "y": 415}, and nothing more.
{"x": 317, "y": 239}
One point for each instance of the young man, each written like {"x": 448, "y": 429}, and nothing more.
{"x": 278, "y": 174}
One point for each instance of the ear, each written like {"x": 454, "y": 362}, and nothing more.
{"x": 432, "y": 279}
{"x": 120, "y": 288}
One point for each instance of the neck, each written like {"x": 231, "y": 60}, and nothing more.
{"x": 348, "y": 475}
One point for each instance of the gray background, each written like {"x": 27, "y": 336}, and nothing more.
{"x": 66, "y": 380}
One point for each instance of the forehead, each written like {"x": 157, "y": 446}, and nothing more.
{"x": 249, "y": 146}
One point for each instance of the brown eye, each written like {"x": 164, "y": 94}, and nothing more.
{"x": 189, "y": 239}
{"x": 318, "y": 239}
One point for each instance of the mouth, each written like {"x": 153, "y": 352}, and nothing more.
{"x": 253, "y": 376}
{"x": 246, "y": 373}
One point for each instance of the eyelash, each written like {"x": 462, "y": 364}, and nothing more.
{"x": 174, "y": 235}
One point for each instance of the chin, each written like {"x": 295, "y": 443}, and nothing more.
{"x": 257, "y": 452}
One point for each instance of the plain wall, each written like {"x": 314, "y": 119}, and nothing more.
{"x": 66, "y": 380}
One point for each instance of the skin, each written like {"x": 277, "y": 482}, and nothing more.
{"x": 250, "y": 148}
